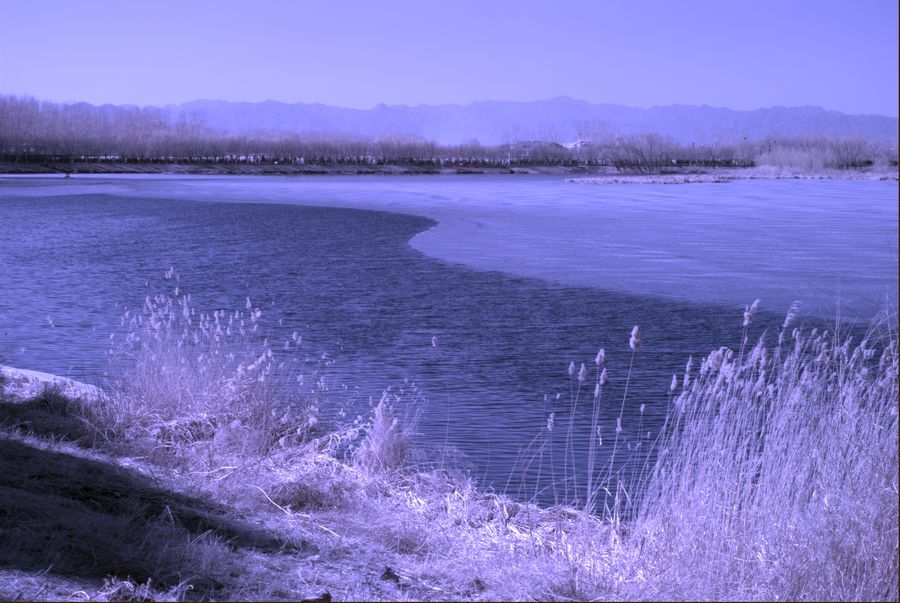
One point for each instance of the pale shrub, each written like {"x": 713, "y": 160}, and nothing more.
{"x": 180, "y": 376}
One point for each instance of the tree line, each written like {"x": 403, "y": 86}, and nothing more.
{"x": 35, "y": 131}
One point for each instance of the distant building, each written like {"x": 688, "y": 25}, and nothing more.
{"x": 581, "y": 142}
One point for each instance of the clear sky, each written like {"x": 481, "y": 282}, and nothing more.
{"x": 839, "y": 54}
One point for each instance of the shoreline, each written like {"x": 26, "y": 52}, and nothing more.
{"x": 578, "y": 174}
{"x": 302, "y": 522}
{"x": 724, "y": 176}
{"x": 125, "y": 497}
{"x": 277, "y": 169}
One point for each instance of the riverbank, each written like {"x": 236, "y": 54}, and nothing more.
{"x": 89, "y": 517}
{"x": 722, "y": 176}
{"x": 276, "y": 169}
{"x": 140, "y": 493}
{"x": 580, "y": 174}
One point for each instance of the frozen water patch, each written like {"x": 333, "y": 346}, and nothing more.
{"x": 828, "y": 244}
{"x": 831, "y": 244}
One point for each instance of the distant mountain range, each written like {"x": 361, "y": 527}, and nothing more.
{"x": 560, "y": 119}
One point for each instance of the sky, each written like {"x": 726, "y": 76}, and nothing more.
{"x": 840, "y": 55}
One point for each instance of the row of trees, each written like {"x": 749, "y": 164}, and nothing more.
{"x": 35, "y": 131}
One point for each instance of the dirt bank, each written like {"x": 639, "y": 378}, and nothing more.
{"x": 275, "y": 169}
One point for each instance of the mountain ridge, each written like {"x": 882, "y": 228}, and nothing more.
{"x": 558, "y": 119}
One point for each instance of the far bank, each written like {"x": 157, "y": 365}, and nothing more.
{"x": 580, "y": 173}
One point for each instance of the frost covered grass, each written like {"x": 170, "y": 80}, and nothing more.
{"x": 194, "y": 385}
{"x": 777, "y": 476}
{"x": 208, "y": 471}
{"x": 774, "y": 476}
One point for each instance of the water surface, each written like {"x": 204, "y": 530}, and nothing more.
{"x": 517, "y": 277}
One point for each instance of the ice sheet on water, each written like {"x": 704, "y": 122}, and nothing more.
{"x": 817, "y": 241}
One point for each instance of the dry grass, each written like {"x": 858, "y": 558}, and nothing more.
{"x": 198, "y": 475}
{"x": 775, "y": 477}
{"x": 779, "y": 476}
{"x": 204, "y": 388}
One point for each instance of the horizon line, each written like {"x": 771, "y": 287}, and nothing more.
{"x": 561, "y": 97}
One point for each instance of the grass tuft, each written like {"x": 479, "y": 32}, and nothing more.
{"x": 777, "y": 475}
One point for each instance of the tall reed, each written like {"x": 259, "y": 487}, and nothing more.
{"x": 777, "y": 476}
{"x": 181, "y": 376}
